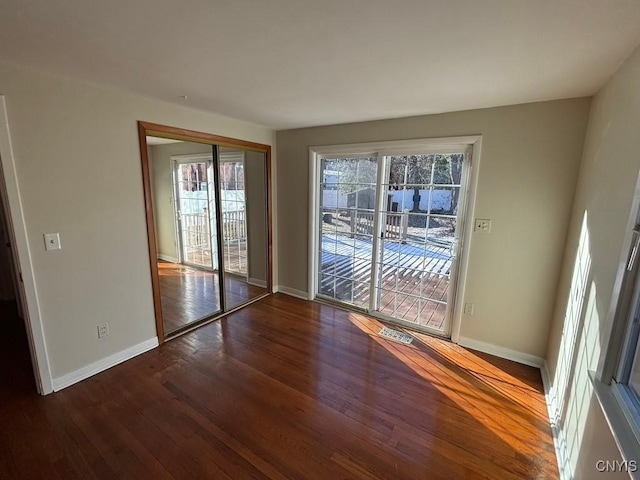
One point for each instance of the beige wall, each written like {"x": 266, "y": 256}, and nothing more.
{"x": 602, "y": 207}
{"x": 78, "y": 167}
{"x": 163, "y": 192}
{"x": 255, "y": 182}
{"x": 530, "y": 159}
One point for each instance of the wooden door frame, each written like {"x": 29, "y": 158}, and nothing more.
{"x": 156, "y": 130}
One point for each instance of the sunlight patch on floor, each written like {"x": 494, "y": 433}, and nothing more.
{"x": 483, "y": 400}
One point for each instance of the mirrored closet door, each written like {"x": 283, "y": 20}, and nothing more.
{"x": 207, "y": 205}
{"x": 244, "y": 224}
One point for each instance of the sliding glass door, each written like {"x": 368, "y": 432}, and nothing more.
{"x": 389, "y": 230}
{"x": 347, "y": 212}
{"x": 195, "y": 211}
{"x": 234, "y": 220}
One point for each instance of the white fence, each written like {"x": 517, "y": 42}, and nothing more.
{"x": 230, "y": 200}
{"x": 440, "y": 199}
{"x": 334, "y": 199}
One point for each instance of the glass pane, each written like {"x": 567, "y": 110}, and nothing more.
{"x": 243, "y": 202}
{"x": 361, "y": 294}
{"x": 634, "y": 378}
{"x": 440, "y": 200}
{"x": 347, "y": 202}
{"x": 418, "y": 236}
{"x": 434, "y": 285}
{"x": 407, "y": 307}
{"x": 193, "y": 207}
{"x": 367, "y": 171}
{"x": 327, "y": 285}
{"x": 233, "y": 205}
{"x": 410, "y": 170}
{"x": 448, "y": 168}
{"x": 184, "y": 223}
{"x": 386, "y": 301}
{"x": 432, "y": 314}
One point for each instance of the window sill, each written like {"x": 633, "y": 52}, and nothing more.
{"x": 618, "y": 421}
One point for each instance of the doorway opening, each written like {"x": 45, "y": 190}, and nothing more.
{"x": 389, "y": 229}
{"x": 25, "y": 312}
{"x": 18, "y": 375}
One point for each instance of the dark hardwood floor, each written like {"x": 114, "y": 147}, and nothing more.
{"x": 283, "y": 389}
{"x": 238, "y": 291}
{"x": 189, "y": 294}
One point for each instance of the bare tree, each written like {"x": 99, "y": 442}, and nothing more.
{"x": 411, "y": 172}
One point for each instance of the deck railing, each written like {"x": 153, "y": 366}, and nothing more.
{"x": 196, "y": 227}
{"x": 361, "y": 220}
{"x": 234, "y": 226}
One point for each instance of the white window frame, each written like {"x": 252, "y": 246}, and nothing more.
{"x": 620, "y": 406}
{"x": 206, "y": 158}
{"x": 397, "y": 147}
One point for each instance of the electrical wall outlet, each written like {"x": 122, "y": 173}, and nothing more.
{"x": 103, "y": 330}
{"x": 468, "y": 308}
{"x": 482, "y": 225}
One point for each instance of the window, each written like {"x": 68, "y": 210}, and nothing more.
{"x": 618, "y": 386}
{"x": 626, "y": 379}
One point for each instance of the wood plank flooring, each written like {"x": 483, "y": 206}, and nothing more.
{"x": 283, "y": 389}
{"x": 189, "y": 294}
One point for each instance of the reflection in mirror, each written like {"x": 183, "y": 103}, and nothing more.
{"x": 184, "y": 201}
{"x": 208, "y": 222}
{"x": 243, "y": 194}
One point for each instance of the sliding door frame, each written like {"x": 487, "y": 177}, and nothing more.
{"x": 472, "y": 144}
{"x": 156, "y": 130}
{"x": 176, "y": 162}
{"x": 221, "y": 162}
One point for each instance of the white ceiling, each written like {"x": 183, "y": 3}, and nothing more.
{"x": 294, "y": 63}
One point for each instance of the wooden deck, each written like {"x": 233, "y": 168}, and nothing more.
{"x": 282, "y": 389}
{"x": 414, "y": 277}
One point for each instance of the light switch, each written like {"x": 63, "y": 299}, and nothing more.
{"x": 52, "y": 241}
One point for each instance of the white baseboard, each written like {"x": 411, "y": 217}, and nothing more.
{"x": 291, "y": 291}
{"x": 104, "y": 364}
{"x": 559, "y": 441}
{"x": 257, "y": 283}
{"x": 501, "y": 352}
{"x": 167, "y": 258}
